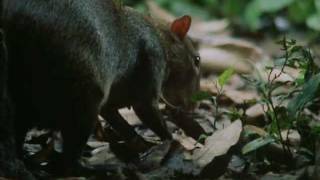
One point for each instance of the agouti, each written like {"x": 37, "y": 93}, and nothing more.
{"x": 70, "y": 60}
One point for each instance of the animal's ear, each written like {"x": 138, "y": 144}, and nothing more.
{"x": 181, "y": 26}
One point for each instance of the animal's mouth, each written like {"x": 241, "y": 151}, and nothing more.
{"x": 179, "y": 106}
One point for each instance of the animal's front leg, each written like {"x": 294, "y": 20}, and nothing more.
{"x": 125, "y": 130}
{"x": 150, "y": 115}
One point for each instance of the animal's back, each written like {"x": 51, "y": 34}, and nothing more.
{"x": 86, "y": 29}
{"x": 61, "y": 51}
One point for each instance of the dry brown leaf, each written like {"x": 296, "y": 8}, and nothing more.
{"x": 203, "y": 28}
{"x": 255, "y": 111}
{"x": 240, "y": 97}
{"x": 236, "y": 82}
{"x": 130, "y": 116}
{"x": 220, "y": 53}
{"x": 188, "y": 143}
{"x": 291, "y": 136}
{"x": 240, "y": 47}
{"x": 207, "y": 85}
{"x": 102, "y": 156}
{"x": 284, "y": 77}
{"x": 217, "y": 60}
{"x": 218, "y": 144}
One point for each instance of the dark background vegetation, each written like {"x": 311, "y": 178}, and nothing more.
{"x": 272, "y": 16}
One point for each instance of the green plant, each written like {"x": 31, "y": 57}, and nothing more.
{"x": 219, "y": 85}
{"x": 286, "y": 110}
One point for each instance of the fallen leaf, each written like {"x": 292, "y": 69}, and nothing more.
{"x": 217, "y": 60}
{"x": 220, "y": 53}
{"x": 255, "y": 111}
{"x": 207, "y": 85}
{"x": 283, "y": 77}
{"x": 239, "y": 97}
{"x": 188, "y": 143}
{"x": 218, "y": 144}
{"x": 292, "y": 138}
{"x": 130, "y": 116}
{"x": 203, "y": 28}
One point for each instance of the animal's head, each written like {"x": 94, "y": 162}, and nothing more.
{"x": 183, "y": 66}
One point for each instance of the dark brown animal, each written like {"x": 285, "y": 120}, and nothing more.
{"x": 71, "y": 60}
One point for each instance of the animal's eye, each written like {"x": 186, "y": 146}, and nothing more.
{"x": 197, "y": 60}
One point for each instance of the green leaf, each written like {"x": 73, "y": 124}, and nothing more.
{"x": 313, "y": 22}
{"x": 233, "y": 8}
{"x": 201, "y": 95}
{"x": 301, "y": 79}
{"x": 225, "y": 76}
{"x": 299, "y": 11}
{"x": 252, "y": 16}
{"x": 256, "y": 8}
{"x": 272, "y": 5}
{"x": 308, "y": 93}
{"x": 256, "y": 144}
{"x": 182, "y": 7}
{"x": 317, "y": 4}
